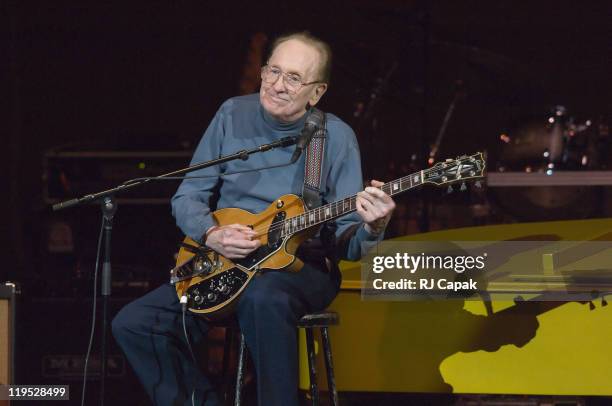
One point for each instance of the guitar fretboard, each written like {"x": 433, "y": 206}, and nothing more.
{"x": 331, "y": 211}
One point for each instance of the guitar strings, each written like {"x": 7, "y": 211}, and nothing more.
{"x": 261, "y": 231}
{"x": 387, "y": 188}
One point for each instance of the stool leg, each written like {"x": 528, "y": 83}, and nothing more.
{"x": 227, "y": 348}
{"x": 329, "y": 365}
{"x": 240, "y": 371}
{"x": 312, "y": 367}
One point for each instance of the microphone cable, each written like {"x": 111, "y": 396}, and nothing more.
{"x": 93, "y": 316}
{"x": 195, "y": 362}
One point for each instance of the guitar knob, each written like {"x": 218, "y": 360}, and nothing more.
{"x": 211, "y": 297}
{"x": 478, "y": 184}
{"x": 198, "y": 299}
{"x": 463, "y": 188}
{"x": 224, "y": 289}
{"x": 449, "y": 190}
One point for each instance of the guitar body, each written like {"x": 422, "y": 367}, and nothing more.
{"x": 213, "y": 283}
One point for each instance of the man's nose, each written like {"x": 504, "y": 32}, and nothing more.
{"x": 279, "y": 85}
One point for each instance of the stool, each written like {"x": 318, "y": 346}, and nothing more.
{"x": 321, "y": 320}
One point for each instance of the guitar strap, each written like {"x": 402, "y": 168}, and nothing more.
{"x": 315, "y": 153}
{"x": 318, "y": 249}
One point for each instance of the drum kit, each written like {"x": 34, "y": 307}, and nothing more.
{"x": 555, "y": 144}
{"x": 556, "y": 141}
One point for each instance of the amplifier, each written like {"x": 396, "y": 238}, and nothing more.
{"x": 7, "y": 333}
{"x": 70, "y": 174}
{"x": 57, "y": 331}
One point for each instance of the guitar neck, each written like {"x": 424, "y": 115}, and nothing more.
{"x": 461, "y": 169}
{"x": 332, "y": 211}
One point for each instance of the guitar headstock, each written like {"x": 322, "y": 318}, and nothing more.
{"x": 463, "y": 168}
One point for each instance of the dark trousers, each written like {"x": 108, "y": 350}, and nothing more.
{"x": 150, "y": 333}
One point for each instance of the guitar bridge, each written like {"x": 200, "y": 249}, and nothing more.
{"x": 197, "y": 265}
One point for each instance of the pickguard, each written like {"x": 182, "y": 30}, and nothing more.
{"x": 275, "y": 241}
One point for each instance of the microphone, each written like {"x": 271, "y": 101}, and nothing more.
{"x": 312, "y": 124}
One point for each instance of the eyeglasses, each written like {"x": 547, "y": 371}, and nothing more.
{"x": 292, "y": 82}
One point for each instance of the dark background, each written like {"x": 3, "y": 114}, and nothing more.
{"x": 132, "y": 75}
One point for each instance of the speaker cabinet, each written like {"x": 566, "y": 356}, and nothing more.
{"x": 7, "y": 332}
{"x": 7, "y": 335}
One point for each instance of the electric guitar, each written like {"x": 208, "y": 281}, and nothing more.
{"x": 212, "y": 283}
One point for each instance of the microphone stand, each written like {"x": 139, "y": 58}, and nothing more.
{"x": 109, "y": 208}
{"x": 459, "y": 93}
{"x": 425, "y": 23}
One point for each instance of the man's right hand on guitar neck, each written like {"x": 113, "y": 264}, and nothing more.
{"x": 232, "y": 241}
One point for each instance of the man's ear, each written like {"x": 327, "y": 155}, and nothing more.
{"x": 319, "y": 91}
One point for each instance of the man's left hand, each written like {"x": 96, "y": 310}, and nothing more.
{"x": 375, "y": 208}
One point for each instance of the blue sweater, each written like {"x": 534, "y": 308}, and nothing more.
{"x": 242, "y": 124}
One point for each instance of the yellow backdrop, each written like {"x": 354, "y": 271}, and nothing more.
{"x": 453, "y": 346}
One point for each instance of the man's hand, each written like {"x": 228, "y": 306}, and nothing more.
{"x": 375, "y": 208}
{"x": 233, "y": 241}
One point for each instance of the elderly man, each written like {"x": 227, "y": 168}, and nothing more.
{"x": 149, "y": 330}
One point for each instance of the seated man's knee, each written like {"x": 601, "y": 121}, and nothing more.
{"x": 122, "y": 323}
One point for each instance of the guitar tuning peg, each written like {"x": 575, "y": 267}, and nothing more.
{"x": 591, "y": 306}
{"x": 463, "y": 188}
{"x": 478, "y": 184}
{"x": 450, "y": 189}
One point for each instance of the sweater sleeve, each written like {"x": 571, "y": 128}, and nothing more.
{"x": 345, "y": 179}
{"x": 191, "y": 202}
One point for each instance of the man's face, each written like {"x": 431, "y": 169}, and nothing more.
{"x": 294, "y": 57}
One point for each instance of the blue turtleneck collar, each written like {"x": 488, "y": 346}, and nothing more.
{"x": 280, "y": 126}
